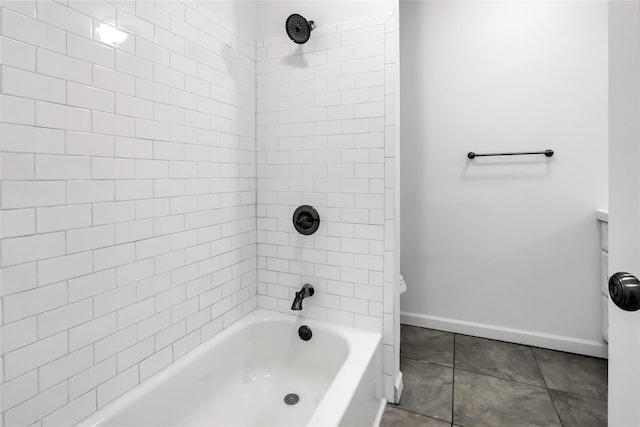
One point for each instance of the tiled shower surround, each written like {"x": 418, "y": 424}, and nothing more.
{"x": 132, "y": 166}
{"x": 128, "y": 197}
{"x": 325, "y": 137}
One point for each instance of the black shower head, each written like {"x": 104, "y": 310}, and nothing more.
{"x": 299, "y": 29}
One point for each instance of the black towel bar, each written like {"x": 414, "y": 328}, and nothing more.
{"x": 473, "y": 155}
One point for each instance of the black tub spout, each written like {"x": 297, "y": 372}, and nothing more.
{"x": 306, "y": 291}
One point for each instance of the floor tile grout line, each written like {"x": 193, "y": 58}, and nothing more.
{"x": 553, "y": 403}
{"x": 531, "y": 349}
{"x": 554, "y": 389}
{"x": 544, "y": 380}
{"x": 546, "y": 386}
{"x": 453, "y": 379}
{"x": 578, "y": 395}
{"x": 426, "y": 362}
{"x": 418, "y": 413}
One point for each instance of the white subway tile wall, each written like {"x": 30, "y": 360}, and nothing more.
{"x": 326, "y": 137}
{"x": 128, "y": 196}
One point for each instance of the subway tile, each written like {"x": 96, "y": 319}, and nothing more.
{"x": 111, "y": 168}
{"x": 134, "y": 65}
{"x": 27, "y": 139}
{"x": 16, "y": 166}
{"x": 73, "y": 412}
{"x": 371, "y": 48}
{"x": 27, "y": 7}
{"x": 62, "y": 268}
{"x": 131, "y": 147}
{"x": 112, "y": 300}
{"x": 155, "y": 363}
{"x": 19, "y": 390}
{"x": 111, "y": 36}
{"x": 32, "y": 85}
{"x": 169, "y": 40}
{"x": 112, "y": 80}
{"x": 55, "y": 167}
{"x": 182, "y": 29}
{"x": 18, "y": 55}
{"x": 30, "y": 31}
{"x": 131, "y": 106}
{"x": 134, "y": 271}
{"x": 31, "y": 248}
{"x": 92, "y": 331}
{"x": 65, "y": 18}
{"x": 113, "y": 256}
{"x": 62, "y": 117}
{"x": 95, "y": 8}
{"x": 90, "y": 97}
{"x": 90, "y": 51}
{"x": 167, "y": 76}
{"x": 90, "y": 191}
{"x": 152, "y": 91}
{"x": 149, "y": 129}
{"x": 63, "y": 218}
{"x": 117, "y": 386}
{"x": 37, "y": 407}
{"x": 65, "y": 367}
{"x": 112, "y": 124}
{"x": 134, "y": 231}
{"x": 90, "y": 285}
{"x": 64, "y": 67}
{"x": 135, "y": 354}
{"x": 17, "y": 110}
{"x": 64, "y": 318}
{"x": 18, "y": 222}
{"x": 134, "y": 25}
{"x": 35, "y": 355}
{"x": 150, "y": 51}
{"x": 91, "y": 378}
{"x": 153, "y": 13}
{"x": 18, "y": 334}
{"x": 89, "y": 144}
{"x": 134, "y": 189}
{"x": 18, "y": 278}
{"x": 170, "y": 335}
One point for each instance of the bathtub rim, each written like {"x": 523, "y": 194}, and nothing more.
{"x": 331, "y": 408}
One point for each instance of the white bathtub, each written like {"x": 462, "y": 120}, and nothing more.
{"x": 241, "y": 376}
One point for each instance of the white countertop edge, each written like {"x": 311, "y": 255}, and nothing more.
{"x": 602, "y": 215}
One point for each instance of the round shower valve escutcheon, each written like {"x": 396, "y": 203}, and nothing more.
{"x": 306, "y": 220}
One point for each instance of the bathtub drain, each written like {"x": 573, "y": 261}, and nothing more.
{"x": 291, "y": 399}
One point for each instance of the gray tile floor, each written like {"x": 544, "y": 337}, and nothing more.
{"x": 458, "y": 380}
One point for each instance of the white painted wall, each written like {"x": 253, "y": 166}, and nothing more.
{"x": 506, "y": 248}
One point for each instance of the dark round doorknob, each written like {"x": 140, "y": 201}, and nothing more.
{"x": 624, "y": 289}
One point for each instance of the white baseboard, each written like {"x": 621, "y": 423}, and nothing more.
{"x": 520, "y": 336}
